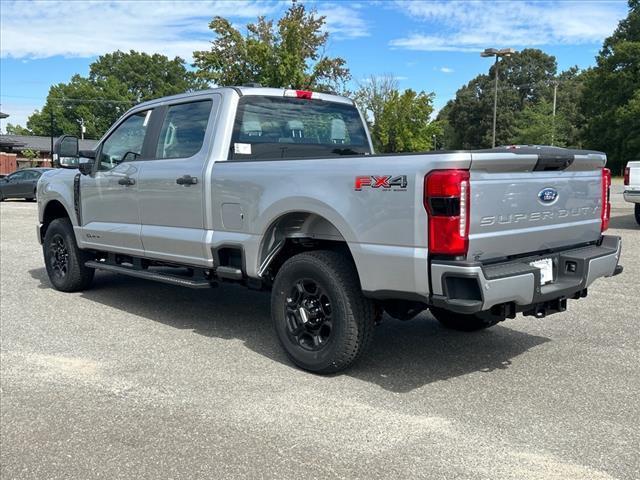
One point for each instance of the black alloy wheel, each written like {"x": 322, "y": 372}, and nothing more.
{"x": 308, "y": 313}
{"x": 58, "y": 257}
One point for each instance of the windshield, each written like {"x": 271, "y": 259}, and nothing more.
{"x": 282, "y": 128}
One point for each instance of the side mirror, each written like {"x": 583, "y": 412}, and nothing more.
{"x": 85, "y": 165}
{"x": 65, "y": 152}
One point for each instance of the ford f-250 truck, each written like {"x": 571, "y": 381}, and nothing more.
{"x": 280, "y": 189}
{"x": 632, "y": 186}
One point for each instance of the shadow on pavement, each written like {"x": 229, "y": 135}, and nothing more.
{"x": 403, "y": 357}
{"x": 625, "y": 222}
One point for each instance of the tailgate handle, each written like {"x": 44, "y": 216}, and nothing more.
{"x": 549, "y": 163}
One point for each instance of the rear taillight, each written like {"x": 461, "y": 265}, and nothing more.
{"x": 627, "y": 174}
{"x": 606, "y": 199}
{"x": 446, "y": 199}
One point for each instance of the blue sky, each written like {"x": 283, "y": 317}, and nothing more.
{"x": 427, "y": 45}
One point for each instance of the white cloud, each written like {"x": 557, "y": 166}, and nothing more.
{"x": 43, "y": 29}
{"x": 86, "y": 29}
{"x": 446, "y": 70}
{"x": 397, "y": 78}
{"x": 344, "y": 22}
{"x": 475, "y": 25}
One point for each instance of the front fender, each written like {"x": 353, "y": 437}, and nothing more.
{"x": 57, "y": 185}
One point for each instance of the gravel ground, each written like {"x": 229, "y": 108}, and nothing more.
{"x": 142, "y": 380}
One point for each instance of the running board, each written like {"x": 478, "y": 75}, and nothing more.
{"x": 147, "y": 275}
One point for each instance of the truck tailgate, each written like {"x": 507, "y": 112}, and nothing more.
{"x": 526, "y": 202}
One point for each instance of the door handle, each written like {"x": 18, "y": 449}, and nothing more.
{"x": 186, "y": 180}
{"x": 126, "y": 181}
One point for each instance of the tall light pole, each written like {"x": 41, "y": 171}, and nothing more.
{"x": 553, "y": 118}
{"x": 494, "y": 52}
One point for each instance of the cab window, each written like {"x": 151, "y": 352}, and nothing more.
{"x": 125, "y": 142}
{"x": 183, "y": 129}
{"x": 294, "y": 128}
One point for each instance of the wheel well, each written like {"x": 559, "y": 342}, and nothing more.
{"x": 53, "y": 210}
{"x": 294, "y": 233}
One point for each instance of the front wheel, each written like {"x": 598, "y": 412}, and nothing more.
{"x": 64, "y": 260}
{"x": 321, "y": 317}
{"x": 464, "y": 322}
{"x": 638, "y": 213}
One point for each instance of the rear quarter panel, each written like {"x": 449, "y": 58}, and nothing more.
{"x": 385, "y": 228}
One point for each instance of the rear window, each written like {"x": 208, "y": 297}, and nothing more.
{"x": 268, "y": 128}
{"x": 183, "y": 130}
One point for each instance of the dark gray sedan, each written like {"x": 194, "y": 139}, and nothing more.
{"x": 21, "y": 184}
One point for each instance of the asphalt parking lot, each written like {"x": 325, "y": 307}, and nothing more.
{"x": 142, "y": 380}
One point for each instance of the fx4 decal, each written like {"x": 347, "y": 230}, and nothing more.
{"x": 386, "y": 182}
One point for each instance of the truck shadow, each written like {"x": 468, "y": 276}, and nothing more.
{"x": 624, "y": 222}
{"x": 404, "y": 355}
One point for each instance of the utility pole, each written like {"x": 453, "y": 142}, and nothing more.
{"x": 495, "y": 104}
{"x": 82, "y": 128}
{"x": 494, "y": 52}
{"x": 51, "y": 129}
{"x": 553, "y": 116}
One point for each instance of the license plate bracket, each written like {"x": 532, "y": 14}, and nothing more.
{"x": 545, "y": 265}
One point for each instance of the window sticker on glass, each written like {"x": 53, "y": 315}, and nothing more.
{"x": 242, "y": 148}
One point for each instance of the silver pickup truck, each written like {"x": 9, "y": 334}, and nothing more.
{"x": 281, "y": 190}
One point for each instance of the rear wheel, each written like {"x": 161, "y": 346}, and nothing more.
{"x": 464, "y": 322}
{"x": 638, "y": 213}
{"x": 321, "y": 317}
{"x": 64, "y": 260}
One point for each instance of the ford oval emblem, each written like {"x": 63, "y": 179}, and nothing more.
{"x": 548, "y": 195}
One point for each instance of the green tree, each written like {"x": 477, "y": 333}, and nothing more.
{"x": 145, "y": 76}
{"x": 290, "y": 55}
{"x": 16, "y": 130}
{"x": 30, "y": 155}
{"x": 535, "y": 125}
{"x": 97, "y": 103}
{"x": 116, "y": 82}
{"x": 524, "y": 79}
{"x": 399, "y": 121}
{"x": 611, "y": 100}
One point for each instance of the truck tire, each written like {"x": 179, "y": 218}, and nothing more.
{"x": 464, "y": 322}
{"x": 321, "y": 318}
{"x": 638, "y": 213}
{"x": 63, "y": 259}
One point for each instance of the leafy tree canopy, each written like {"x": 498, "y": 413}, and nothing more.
{"x": 611, "y": 99}
{"x": 525, "y": 78}
{"x": 290, "y": 54}
{"x": 16, "y": 130}
{"x": 116, "y": 82}
{"x": 399, "y": 121}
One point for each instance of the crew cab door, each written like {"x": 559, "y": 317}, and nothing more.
{"x": 109, "y": 197}
{"x": 171, "y": 186}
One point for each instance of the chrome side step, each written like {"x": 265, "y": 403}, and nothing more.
{"x": 148, "y": 275}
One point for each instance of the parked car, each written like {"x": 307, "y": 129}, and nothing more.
{"x": 632, "y": 186}
{"x": 281, "y": 190}
{"x": 21, "y": 184}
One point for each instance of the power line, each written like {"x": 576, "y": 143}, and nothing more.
{"x": 72, "y": 100}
